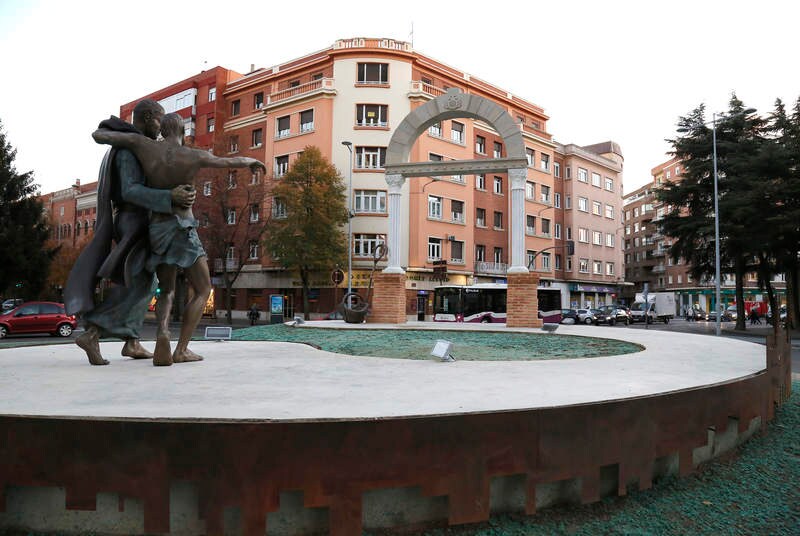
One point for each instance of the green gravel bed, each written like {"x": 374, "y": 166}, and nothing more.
{"x": 755, "y": 490}
{"x": 417, "y": 344}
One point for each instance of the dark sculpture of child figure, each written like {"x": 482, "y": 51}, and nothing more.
{"x": 173, "y": 237}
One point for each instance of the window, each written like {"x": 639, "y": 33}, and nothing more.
{"x": 281, "y": 165}
{"x": 609, "y": 240}
{"x": 636, "y": 242}
{"x": 370, "y": 157}
{"x": 373, "y": 73}
{"x": 530, "y": 224}
{"x": 294, "y": 83}
{"x": 544, "y": 162}
{"x": 545, "y": 260}
{"x": 530, "y": 156}
{"x": 568, "y": 176}
{"x": 530, "y": 259}
{"x": 457, "y": 210}
{"x": 498, "y": 255}
{"x": 364, "y": 244}
{"x": 669, "y": 175}
{"x": 636, "y": 212}
{"x": 205, "y": 220}
{"x": 457, "y": 252}
{"x": 210, "y": 125}
{"x": 498, "y": 220}
{"x": 498, "y": 150}
{"x": 569, "y": 264}
{"x": 231, "y": 180}
{"x": 252, "y": 250}
{"x": 636, "y": 227}
{"x": 583, "y": 235}
{"x": 212, "y": 94}
{"x": 598, "y": 267}
{"x": 597, "y": 208}
{"x": 545, "y": 226}
{"x": 680, "y": 277}
{"x": 433, "y": 157}
{"x": 558, "y": 261}
{"x": 255, "y": 212}
{"x": 480, "y": 145}
{"x": 279, "y": 208}
{"x": 669, "y": 277}
{"x": 235, "y": 108}
{"x": 257, "y": 138}
{"x": 434, "y": 249}
{"x": 255, "y": 177}
{"x": 583, "y": 175}
{"x": 233, "y": 145}
{"x": 230, "y": 216}
{"x": 207, "y": 188}
{"x": 370, "y": 201}
{"x": 557, "y": 174}
{"x": 627, "y": 229}
{"x": 544, "y": 192}
{"x": 568, "y": 202}
{"x": 457, "y": 132}
{"x": 480, "y": 217}
{"x": 597, "y": 238}
{"x": 434, "y": 207}
{"x": 258, "y": 100}
{"x": 371, "y": 115}
{"x": 307, "y": 121}
{"x": 480, "y": 253}
{"x": 583, "y": 204}
{"x": 557, "y": 231}
{"x": 610, "y": 211}
{"x": 498, "y": 185}
{"x": 283, "y": 127}
{"x": 557, "y": 200}
{"x": 609, "y": 184}
{"x": 435, "y": 130}
{"x": 480, "y": 182}
{"x": 530, "y": 190}
{"x": 595, "y": 179}
{"x": 583, "y": 266}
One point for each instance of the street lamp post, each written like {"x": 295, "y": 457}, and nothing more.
{"x": 717, "y": 316}
{"x": 349, "y": 146}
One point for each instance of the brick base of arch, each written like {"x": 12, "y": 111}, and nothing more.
{"x": 522, "y": 305}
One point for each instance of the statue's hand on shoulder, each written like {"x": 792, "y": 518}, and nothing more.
{"x": 183, "y": 196}
{"x": 256, "y": 165}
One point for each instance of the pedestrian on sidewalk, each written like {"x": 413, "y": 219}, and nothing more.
{"x": 253, "y": 314}
{"x": 754, "y": 317}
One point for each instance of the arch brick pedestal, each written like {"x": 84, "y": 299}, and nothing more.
{"x": 388, "y": 299}
{"x": 522, "y": 306}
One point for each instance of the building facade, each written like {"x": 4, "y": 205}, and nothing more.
{"x": 358, "y": 91}
{"x": 647, "y": 258}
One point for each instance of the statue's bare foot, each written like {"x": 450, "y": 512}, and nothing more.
{"x": 89, "y": 342}
{"x": 133, "y": 348}
{"x": 185, "y": 356}
{"x": 162, "y": 357}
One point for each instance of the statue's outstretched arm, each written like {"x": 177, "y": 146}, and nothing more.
{"x": 128, "y": 140}
{"x": 208, "y": 160}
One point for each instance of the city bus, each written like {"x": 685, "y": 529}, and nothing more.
{"x": 486, "y": 302}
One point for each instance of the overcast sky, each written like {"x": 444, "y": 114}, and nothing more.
{"x": 623, "y": 71}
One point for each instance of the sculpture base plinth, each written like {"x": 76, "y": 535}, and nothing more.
{"x": 522, "y": 306}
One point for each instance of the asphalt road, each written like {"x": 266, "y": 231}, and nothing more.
{"x": 677, "y": 325}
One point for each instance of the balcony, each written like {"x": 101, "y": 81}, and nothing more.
{"x": 659, "y": 269}
{"x": 230, "y": 265}
{"x": 660, "y": 252}
{"x": 321, "y": 86}
{"x": 493, "y": 268}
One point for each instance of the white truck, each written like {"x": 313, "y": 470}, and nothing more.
{"x": 659, "y": 306}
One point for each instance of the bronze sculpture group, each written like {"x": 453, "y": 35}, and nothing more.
{"x": 145, "y": 229}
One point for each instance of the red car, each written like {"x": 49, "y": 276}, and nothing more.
{"x": 37, "y": 317}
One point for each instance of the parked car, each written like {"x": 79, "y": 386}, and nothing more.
{"x": 711, "y": 316}
{"x": 781, "y": 313}
{"x": 334, "y": 315}
{"x": 11, "y": 303}
{"x": 615, "y": 313}
{"x": 696, "y": 314}
{"x": 585, "y": 316}
{"x": 37, "y": 317}
{"x": 732, "y": 313}
{"x": 569, "y": 316}
{"x": 600, "y": 316}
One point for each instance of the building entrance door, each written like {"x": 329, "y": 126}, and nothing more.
{"x": 421, "y": 308}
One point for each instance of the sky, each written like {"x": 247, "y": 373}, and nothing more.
{"x": 613, "y": 70}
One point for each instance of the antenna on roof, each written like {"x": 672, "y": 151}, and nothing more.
{"x": 411, "y": 35}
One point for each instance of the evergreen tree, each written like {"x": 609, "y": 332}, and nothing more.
{"x": 24, "y": 259}
{"x": 309, "y": 238}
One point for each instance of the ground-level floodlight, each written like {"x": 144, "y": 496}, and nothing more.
{"x": 442, "y": 350}
{"x": 218, "y": 333}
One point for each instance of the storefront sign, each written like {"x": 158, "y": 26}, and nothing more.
{"x": 577, "y": 287}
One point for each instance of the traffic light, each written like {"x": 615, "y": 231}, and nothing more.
{"x": 570, "y": 247}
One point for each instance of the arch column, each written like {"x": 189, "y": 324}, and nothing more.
{"x": 517, "y": 178}
{"x": 395, "y": 182}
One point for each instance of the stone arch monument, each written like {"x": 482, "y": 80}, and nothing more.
{"x": 389, "y": 298}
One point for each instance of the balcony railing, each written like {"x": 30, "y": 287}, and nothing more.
{"x": 322, "y": 85}
{"x": 659, "y": 269}
{"x": 230, "y": 264}
{"x": 495, "y": 268}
